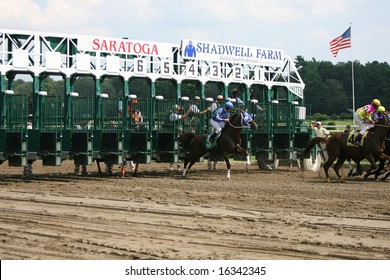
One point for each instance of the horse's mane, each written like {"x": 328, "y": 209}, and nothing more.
{"x": 232, "y": 117}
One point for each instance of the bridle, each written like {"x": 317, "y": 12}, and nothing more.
{"x": 244, "y": 123}
{"x": 386, "y": 116}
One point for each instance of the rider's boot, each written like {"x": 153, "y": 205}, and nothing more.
{"x": 358, "y": 140}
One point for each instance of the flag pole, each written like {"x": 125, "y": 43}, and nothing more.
{"x": 353, "y": 79}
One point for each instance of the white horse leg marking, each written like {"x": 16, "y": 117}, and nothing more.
{"x": 228, "y": 174}
{"x": 185, "y": 172}
{"x": 248, "y": 161}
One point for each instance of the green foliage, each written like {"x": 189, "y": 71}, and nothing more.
{"x": 345, "y": 116}
{"x": 320, "y": 117}
{"x": 328, "y": 87}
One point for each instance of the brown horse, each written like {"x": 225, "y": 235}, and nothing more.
{"x": 227, "y": 143}
{"x": 337, "y": 147}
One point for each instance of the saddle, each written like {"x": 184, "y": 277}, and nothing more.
{"x": 352, "y": 136}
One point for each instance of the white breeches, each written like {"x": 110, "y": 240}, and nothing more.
{"x": 363, "y": 126}
{"x": 217, "y": 126}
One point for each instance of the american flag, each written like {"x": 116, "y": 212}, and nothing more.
{"x": 341, "y": 42}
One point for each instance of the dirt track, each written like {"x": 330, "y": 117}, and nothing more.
{"x": 284, "y": 214}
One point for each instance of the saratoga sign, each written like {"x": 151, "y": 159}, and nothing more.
{"x": 124, "y": 46}
{"x": 231, "y": 53}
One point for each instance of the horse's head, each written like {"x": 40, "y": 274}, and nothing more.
{"x": 247, "y": 121}
{"x": 381, "y": 118}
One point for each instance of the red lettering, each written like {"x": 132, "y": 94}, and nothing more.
{"x": 146, "y": 49}
{"x": 103, "y": 46}
{"x": 124, "y": 47}
{"x": 96, "y": 44}
{"x": 155, "y": 50}
{"x": 112, "y": 46}
{"x": 137, "y": 48}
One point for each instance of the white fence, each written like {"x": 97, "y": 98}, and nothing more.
{"x": 338, "y": 128}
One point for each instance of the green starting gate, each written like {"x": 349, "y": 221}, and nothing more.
{"x": 81, "y": 120}
{"x": 137, "y": 131}
{"x": 17, "y": 137}
{"x": 166, "y": 129}
{"x": 84, "y": 128}
{"x": 51, "y": 125}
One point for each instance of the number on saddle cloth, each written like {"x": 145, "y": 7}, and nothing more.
{"x": 352, "y": 138}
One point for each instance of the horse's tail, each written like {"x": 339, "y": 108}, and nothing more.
{"x": 311, "y": 144}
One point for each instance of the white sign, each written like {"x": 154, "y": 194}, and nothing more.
{"x": 191, "y": 49}
{"x": 124, "y": 46}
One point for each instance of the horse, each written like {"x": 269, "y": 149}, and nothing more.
{"x": 337, "y": 147}
{"x": 228, "y": 142}
{"x": 382, "y": 161}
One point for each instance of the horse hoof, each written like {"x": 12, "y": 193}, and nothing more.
{"x": 328, "y": 180}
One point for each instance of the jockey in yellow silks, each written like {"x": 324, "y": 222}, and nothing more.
{"x": 362, "y": 118}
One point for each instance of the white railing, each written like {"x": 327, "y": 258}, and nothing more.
{"x": 338, "y": 128}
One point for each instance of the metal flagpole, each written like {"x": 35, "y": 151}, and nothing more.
{"x": 353, "y": 79}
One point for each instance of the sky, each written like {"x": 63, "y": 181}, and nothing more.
{"x": 299, "y": 27}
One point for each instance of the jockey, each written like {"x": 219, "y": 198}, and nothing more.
{"x": 362, "y": 117}
{"x": 216, "y": 104}
{"x": 218, "y": 121}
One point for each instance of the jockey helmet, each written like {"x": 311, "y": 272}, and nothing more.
{"x": 381, "y": 109}
{"x": 229, "y": 105}
{"x": 376, "y": 102}
{"x": 176, "y": 107}
{"x": 318, "y": 123}
{"x": 219, "y": 97}
{"x": 196, "y": 98}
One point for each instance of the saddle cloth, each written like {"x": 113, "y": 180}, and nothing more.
{"x": 351, "y": 139}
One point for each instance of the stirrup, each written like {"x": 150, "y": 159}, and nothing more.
{"x": 358, "y": 144}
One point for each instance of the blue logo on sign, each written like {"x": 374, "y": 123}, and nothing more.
{"x": 189, "y": 50}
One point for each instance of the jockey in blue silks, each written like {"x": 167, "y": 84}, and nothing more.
{"x": 218, "y": 120}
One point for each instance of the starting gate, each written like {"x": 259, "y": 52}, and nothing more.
{"x": 167, "y": 128}
{"x": 81, "y": 129}
{"x": 84, "y": 128}
{"x": 137, "y": 132}
{"x": 17, "y": 136}
{"x": 51, "y": 124}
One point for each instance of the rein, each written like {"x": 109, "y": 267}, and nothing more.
{"x": 382, "y": 125}
{"x": 238, "y": 126}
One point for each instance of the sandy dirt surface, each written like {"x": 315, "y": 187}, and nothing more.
{"x": 283, "y": 214}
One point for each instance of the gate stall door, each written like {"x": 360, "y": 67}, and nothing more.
{"x": 16, "y": 118}
{"x": 195, "y": 121}
{"x": 167, "y": 127}
{"x": 138, "y": 130}
{"x": 111, "y": 146}
{"x": 283, "y": 130}
{"x": 261, "y": 141}
{"x": 51, "y": 124}
{"x": 4, "y": 111}
{"x": 82, "y": 125}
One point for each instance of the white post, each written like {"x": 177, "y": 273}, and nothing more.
{"x": 353, "y": 81}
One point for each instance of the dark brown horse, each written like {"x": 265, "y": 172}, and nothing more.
{"x": 337, "y": 147}
{"x": 382, "y": 161}
{"x": 227, "y": 143}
